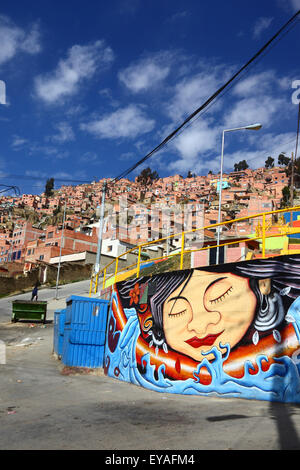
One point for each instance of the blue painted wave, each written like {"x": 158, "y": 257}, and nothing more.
{"x": 281, "y": 382}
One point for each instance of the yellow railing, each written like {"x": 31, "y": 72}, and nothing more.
{"x": 262, "y": 235}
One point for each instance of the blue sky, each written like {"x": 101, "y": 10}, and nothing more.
{"x": 92, "y": 87}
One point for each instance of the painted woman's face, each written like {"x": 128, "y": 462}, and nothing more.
{"x": 211, "y": 308}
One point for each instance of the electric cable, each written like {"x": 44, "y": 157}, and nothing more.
{"x": 209, "y": 100}
{"x": 14, "y": 188}
{"x": 244, "y": 73}
{"x": 190, "y": 120}
{"x": 38, "y": 178}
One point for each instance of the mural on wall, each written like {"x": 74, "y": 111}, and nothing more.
{"x": 230, "y": 330}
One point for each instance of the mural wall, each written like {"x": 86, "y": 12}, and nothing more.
{"x": 229, "y": 330}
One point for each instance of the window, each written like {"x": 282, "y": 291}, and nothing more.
{"x": 109, "y": 248}
{"x": 50, "y": 235}
{"x": 41, "y": 257}
{"x": 29, "y": 252}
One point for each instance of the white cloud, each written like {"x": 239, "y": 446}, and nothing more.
{"x": 260, "y": 99}
{"x": 256, "y": 98}
{"x": 81, "y": 64}
{"x": 47, "y": 150}
{"x": 263, "y": 146}
{"x": 289, "y": 5}
{"x": 196, "y": 140}
{"x": 252, "y": 110}
{"x": 295, "y": 4}
{"x": 65, "y": 133}
{"x": 14, "y": 39}
{"x": 145, "y": 74}
{"x": 259, "y": 83}
{"x": 107, "y": 94}
{"x": 128, "y": 122}
{"x": 18, "y": 142}
{"x": 273, "y": 146}
{"x": 193, "y": 91}
{"x": 193, "y": 145}
{"x": 31, "y": 43}
{"x": 261, "y": 25}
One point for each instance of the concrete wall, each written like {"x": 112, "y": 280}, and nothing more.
{"x": 204, "y": 331}
{"x": 232, "y": 254}
{"x": 69, "y": 272}
{"x": 9, "y": 285}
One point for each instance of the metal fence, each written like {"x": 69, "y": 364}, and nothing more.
{"x": 262, "y": 224}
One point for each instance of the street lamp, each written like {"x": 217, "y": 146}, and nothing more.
{"x": 60, "y": 249}
{"x": 251, "y": 127}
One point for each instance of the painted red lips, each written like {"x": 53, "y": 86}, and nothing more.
{"x": 209, "y": 340}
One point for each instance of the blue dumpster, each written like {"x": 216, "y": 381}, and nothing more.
{"x": 84, "y": 332}
{"x": 58, "y": 331}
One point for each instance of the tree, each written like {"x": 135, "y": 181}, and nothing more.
{"x": 49, "y": 187}
{"x": 243, "y": 165}
{"x": 57, "y": 210}
{"x": 283, "y": 159}
{"x": 286, "y": 194}
{"x": 269, "y": 163}
{"x": 147, "y": 176}
{"x": 293, "y": 167}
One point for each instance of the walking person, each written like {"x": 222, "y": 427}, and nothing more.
{"x": 34, "y": 294}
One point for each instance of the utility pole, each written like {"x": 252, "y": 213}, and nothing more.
{"x": 292, "y": 183}
{"x": 168, "y": 240}
{"x": 61, "y": 240}
{"x": 294, "y": 161}
{"x": 100, "y": 233}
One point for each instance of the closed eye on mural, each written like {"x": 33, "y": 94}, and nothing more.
{"x": 181, "y": 304}
{"x": 218, "y": 290}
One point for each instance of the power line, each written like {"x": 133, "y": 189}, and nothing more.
{"x": 241, "y": 77}
{"x": 209, "y": 101}
{"x": 39, "y": 178}
{"x": 198, "y": 112}
{"x": 7, "y": 188}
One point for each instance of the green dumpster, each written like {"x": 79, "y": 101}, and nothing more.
{"x": 29, "y": 310}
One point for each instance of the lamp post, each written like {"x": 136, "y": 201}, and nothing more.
{"x": 100, "y": 232}
{"x": 60, "y": 249}
{"x": 251, "y": 127}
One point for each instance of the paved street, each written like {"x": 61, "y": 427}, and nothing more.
{"x": 49, "y": 294}
{"x": 44, "y": 406}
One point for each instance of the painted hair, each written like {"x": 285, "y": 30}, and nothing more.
{"x": 283, "y": 271}
{"x": 159, "y": 288}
